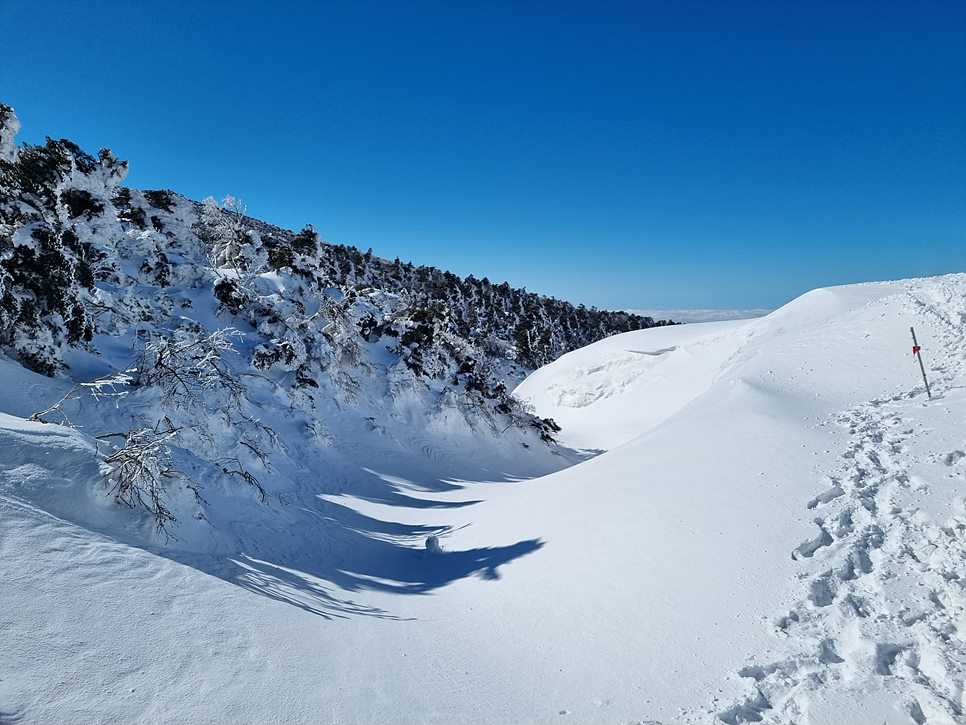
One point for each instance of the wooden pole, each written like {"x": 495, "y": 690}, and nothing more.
{"x": 916, "y": 351}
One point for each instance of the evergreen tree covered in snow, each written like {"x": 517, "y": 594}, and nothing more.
{"x": 53, "y": 200}
{"x": 215, "y": 304}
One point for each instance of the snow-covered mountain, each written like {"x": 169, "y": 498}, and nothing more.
{"x": 742, "y": 521}
{"x": 180, "y": 330}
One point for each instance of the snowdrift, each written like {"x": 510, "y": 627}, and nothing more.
{"x": 773, "y": 528}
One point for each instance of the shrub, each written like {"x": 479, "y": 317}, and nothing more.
{"x": 160, "y": 199}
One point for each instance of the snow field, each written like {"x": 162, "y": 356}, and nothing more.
{"x": 775, "y": 531}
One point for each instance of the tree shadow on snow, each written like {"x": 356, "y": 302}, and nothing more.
{"x": 310, "y": 551}
{"x": 357, "y": 553}
{"x": 382, "y": 567}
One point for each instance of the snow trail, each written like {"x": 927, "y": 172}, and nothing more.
{"x": 884, "y": 605}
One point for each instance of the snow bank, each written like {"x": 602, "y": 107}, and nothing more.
{"x": 605, "y": 394}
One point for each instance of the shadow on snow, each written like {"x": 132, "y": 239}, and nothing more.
{"x": 317, "y": 550}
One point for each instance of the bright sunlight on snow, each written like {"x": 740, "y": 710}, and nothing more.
{"x": 751, "y": 520}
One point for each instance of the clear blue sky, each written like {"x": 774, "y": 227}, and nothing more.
{"x": 639, "y": 154}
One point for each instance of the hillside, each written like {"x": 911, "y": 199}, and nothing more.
{"x": 781, "y": 540}
{"x": 70, "y": 235}
{"x": 785, "y": 533}
{"x": 218, "y": 346}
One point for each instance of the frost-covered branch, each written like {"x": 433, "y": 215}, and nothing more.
{"x": 102, "y": 387}
{"x": 188, "y": 365}
{"x": 234, "y": 467}
{"x": 138, "y": 469}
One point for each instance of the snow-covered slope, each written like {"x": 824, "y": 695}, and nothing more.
{"x": 811, "y": 494}
{"x": 703, "y": 315}
{"x": 607, "y": 393}
{"x": 775, "y": 530}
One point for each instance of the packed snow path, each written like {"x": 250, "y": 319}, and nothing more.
{"x": 883, "y": 594}
{"x": 885, "y": 590}
{"x": 774, "y": 531}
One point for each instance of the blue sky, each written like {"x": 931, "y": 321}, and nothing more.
{"x": 640, "y": 154}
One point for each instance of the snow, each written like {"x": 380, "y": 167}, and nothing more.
{"x": 702, "y": 315}
{"x": 606, "y": 394}
{"x": 773, "y": 528}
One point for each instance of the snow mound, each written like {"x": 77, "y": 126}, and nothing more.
{"x": 614, "y": 390}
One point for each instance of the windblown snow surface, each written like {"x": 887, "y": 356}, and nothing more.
{"x": 702, "y": 315}
{"x": 773, "y": 528}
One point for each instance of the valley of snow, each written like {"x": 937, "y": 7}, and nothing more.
{"x": 748, "y": 520}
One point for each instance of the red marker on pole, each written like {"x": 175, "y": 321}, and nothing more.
{"x": 916, "y": 351}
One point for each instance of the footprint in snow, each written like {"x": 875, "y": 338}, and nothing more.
{"x": 808, "y": 548}
{"x": 830, "y": 495}
{"x": 953, "y": 458}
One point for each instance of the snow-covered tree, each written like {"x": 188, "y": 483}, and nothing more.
{"x": 84, "y": 262}
{"x": 232, "y": 242}
{"x": 54, "y": 198}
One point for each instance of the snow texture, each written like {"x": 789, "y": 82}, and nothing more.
{"x": 774, "y": 531}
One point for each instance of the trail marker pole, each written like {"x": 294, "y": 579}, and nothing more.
{"x": 916, "y": 351}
